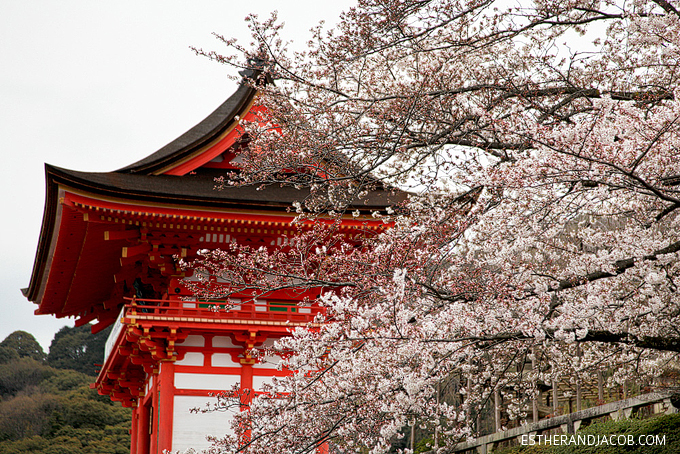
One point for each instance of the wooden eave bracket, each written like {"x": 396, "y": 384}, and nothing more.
{"x": 110, "y": 235}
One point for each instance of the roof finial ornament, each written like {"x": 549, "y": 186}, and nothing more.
{"x": 259, "y": 69}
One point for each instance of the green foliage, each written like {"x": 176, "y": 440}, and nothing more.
{"x": 77, "y": 349}
{"x": 111, "y": 440}
{"x": 22, "y": 374}
{"x": 84, "y": 409}
{"x": 7, "y": 354}
{"x": 44, "y": 410}
{"x": 64, "y": 380}
{"x": 27, "y": 415}
{"x": 667, "y": 426}
{"x": 24, "y": 344}
{"x": 423, "y": 445}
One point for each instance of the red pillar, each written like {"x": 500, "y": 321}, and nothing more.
{"x": 154, "y": 416}
{"x": 133, "y": 430}
{"x": 246, "y": 379}
{"x": 246, "y": 393}
{"x": 166, "y": 400}
{"x": 143, "y": 438}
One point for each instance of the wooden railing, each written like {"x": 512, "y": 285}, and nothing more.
{"x": 255, "y": 310}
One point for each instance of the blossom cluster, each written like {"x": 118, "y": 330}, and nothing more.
{"x": 542, "y": 227}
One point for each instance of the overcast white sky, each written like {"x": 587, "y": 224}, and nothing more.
{"x": 95, "y": 86}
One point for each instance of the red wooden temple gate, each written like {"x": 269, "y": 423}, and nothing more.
{"x": 108, "y": 254}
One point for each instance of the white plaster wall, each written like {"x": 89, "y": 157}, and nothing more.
{"x": 191, "y": 359}
{"x": 190, "y": 429}
{"x": 149, "y": 384}
{"x": 223, "y": 360}
{"x": 115, "y": 333}
{"x": 193, "y": 341}
{"x": 268, "y": 362}
{"x": 223, "y": 342}
{"x": 258, "y": 381}
{"x": 211, "y": 382}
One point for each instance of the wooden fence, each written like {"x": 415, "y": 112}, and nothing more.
{"x": 569, "y": 423}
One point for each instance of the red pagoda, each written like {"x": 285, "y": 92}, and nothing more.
{"x": 109, "y": 252}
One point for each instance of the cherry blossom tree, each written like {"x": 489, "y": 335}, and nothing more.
{"x": 540, "y": 144}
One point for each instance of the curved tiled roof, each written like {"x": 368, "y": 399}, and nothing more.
{"x": 174, "y": 177}
{"x": 198, "y": 189}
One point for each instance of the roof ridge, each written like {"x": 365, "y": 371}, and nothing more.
{"x": 191, "y": 142}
